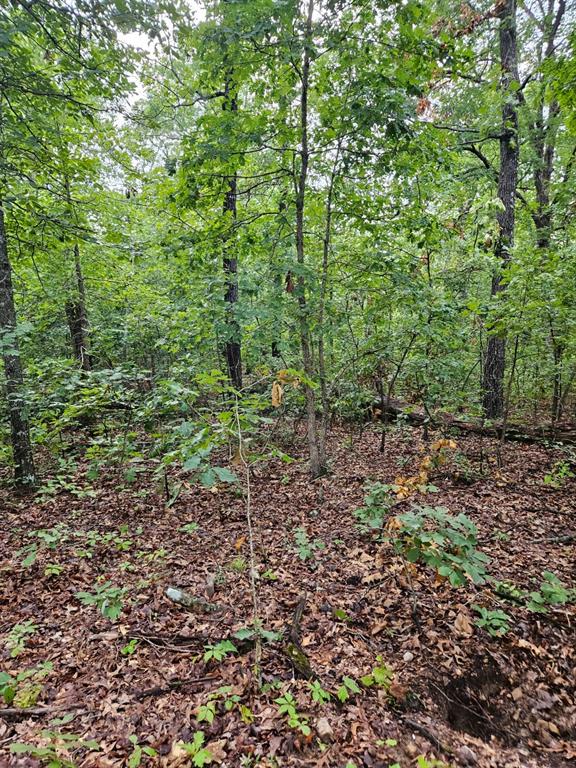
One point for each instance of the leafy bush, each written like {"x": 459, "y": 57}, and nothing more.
{"x": 377, "y": 505}
{"x": 447, "y": 543}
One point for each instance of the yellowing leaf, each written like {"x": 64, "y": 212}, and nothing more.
{"x": 277, "y": 393}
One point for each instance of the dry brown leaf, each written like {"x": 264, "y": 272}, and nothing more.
{"x": 277, "y": 394}
{"x": 463, "y": 625}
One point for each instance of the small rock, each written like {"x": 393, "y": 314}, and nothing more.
{"x": 324, "y": 729}
{"x": 408, "y": 656}
{"x": 466, "y": 756}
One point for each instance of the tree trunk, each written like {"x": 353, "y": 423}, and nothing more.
{"x": 25, "y": 474}
{"x": 230, "y": 261}
{"x": 76, "y": 312}
{"x": 78, "y": 317}
{"x": 543, "y": 133}
{"x": 316, "y": 447}
{"x": 326, "y": 245}
{"x": 495, "y": 358}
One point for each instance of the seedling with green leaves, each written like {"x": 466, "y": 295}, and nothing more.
{"x": 552, "y": 592}
{"x": 57, "y": 750}
{"x": 318, "y": 693}
{"x": 306, "y": 547}
{"x": 17, "y": 637}
{"x": 198, "y": 752}
{"x": 219, "y": 651}
{"x": 496, "y": 623}
{"x": 287, "y": 706}
{"x": 23, "y": 689}
{"x": 138, "y": 752}
{"x": 380, "y": 676}
{"x": 348, "y": 688}
{"x": 107, "y": 598}
{"x": 378, "y": 502}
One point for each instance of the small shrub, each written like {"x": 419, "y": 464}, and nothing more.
{"x": 306, "y": 547}
{"x": 377, "y": 505}
{"x": 496, "y": 623}
{"x": 108, "y": 599}
{"x": 448, "y": 544}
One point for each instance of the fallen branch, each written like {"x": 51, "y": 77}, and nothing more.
{"x": 191, "y": 603}
{"x": 16, "y": 713}
{"x": 160, "y": 690}
{"x": 415, "y": 417}
{"x": 427, "y": 733}
{"x": 293, "y": 649}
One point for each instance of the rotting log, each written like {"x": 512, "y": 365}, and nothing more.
{"x": 416, "y": 417}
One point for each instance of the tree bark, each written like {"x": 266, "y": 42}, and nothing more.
{"x": 77, "y": 316}
{"x": 495, "y": 357}
{"x": 316, "y": 447}
{"x": 24, "y": 472}
{"x": 230, "y": 261}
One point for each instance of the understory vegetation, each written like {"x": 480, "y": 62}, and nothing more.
{"x": 287, "y": 413}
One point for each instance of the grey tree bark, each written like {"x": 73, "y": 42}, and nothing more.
{"x": 25, "y": 473}
{"x": 495, "y": 356}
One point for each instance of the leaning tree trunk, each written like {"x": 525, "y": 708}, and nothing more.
{"x": 495, "y": 357}
{"x": 20, "y": 431}
{"x": 316, "y": 447}
{"x": 230, "y": 261}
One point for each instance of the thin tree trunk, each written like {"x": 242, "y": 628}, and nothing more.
{"x": 77, "y": 316}
{"x": 495, "y": 359}
{"x": 76, "y": 312}
{"x": 25, "y": 473}
{"x": 543, "y": 132}
{"x": 316, "y": 447}
{"x": 230, "y": 260}
{"x": 323, "y": 287}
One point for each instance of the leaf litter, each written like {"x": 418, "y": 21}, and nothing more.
{"x": 158, "y": 674}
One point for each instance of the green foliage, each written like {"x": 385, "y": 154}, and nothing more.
{"x": 138, "y": 752}
{"x": 107, "y": 598}
{"x": 189, "y": 528}
{"x": 287, "y": 706}
{"x": 496, "y": 623}
{"x": 559, "y": 475}
{"x": 348, "y": 688}
{"x": 444, "y": 542}
{"x": 17, "y": 637}
{"x": 381, "y": 675}
{"x": 552, "y": 592}
{"x": 318, "y": 693}
{"x": 23, "y": 689}
{"x": 130, "y": 648}
{"x": 257, "y": 630}
{"x": 219, "y": 651}
{"x": 377, "y": 505}
{"x": 306, "y": 547}
{"x": 198, "y": 752}
{"x": 58, "y": 749}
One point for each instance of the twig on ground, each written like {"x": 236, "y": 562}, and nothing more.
{"x": 159, "y": 690}
{"x": 427, "y": 733}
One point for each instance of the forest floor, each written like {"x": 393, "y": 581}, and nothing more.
{"x": 449, "y": 691}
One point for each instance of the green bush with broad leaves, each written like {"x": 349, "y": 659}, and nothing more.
{"x": 444, "y": 542}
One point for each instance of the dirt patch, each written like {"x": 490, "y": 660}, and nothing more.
{"x": 474, "y": 703}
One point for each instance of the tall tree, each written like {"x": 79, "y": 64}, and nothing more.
{"x": 25, "y": 472}
{"x": 495, "y": 356}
